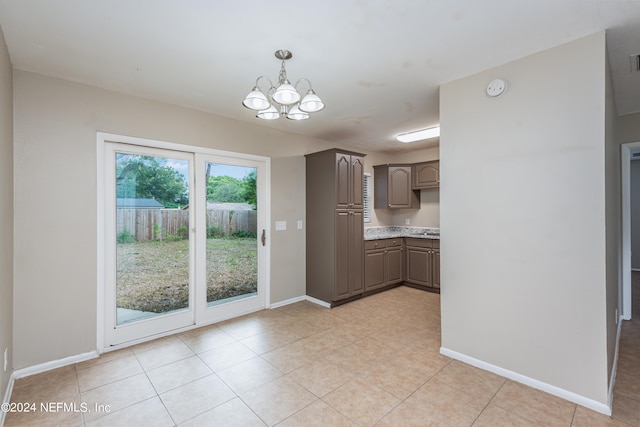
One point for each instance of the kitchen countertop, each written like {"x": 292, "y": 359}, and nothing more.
{"x": 396, "y": 231}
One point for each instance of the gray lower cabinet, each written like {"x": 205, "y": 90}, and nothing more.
{"x": 383, "y": 263}
{"x": 423, "y": 262}
{"x": 349, "y": 244}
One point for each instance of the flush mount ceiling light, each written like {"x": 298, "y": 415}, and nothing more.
{"x": 418, "y": 135}
{"x": 283, "y": 98}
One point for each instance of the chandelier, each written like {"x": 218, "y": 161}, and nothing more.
{"x": 283, "y": 98}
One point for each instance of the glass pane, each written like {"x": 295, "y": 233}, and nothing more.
{"x": 152, "y": 238}
{"x": 232, "y": 244}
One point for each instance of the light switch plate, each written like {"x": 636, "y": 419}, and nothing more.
{"x": 281, "y": 225}
{"x": 299, "y": 224}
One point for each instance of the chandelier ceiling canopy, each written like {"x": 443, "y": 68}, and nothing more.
{"x": 282, "y": 98}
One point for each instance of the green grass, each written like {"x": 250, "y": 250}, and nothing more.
{"x": 154, "y": 275}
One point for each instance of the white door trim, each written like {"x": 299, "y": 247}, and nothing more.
{"x": 101, "y": 139}
{"x": 625, "y": 153}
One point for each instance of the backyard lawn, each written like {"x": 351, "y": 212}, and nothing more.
{"x": 153, "y": 275}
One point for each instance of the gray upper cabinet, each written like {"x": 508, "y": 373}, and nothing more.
{"x": 426, "y": 175}
{"x": 349, "y": 180}
{"x": 393, "y": 187}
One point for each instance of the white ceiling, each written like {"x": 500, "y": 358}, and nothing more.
{"x": 377, "y": 64}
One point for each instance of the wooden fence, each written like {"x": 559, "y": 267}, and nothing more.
{"x": 158, "y": 224}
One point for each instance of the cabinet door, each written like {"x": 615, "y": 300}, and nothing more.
{"x": 394, "y": 265}
{"x": 426, "y": 175}
{"x": 357, "y": 182}
{"x": 419, "y": 266}
{"x": 343, "y": 181}
{"x": 349, "y": 254}
{"x": 356, "y": 252}
{"x": 436, "y": 268}
{"x": 374, "y": 263}
{"x": 342, "y": 255}
{"x": 399, "y": 190}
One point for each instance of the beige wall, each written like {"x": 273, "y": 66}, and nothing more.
{"x": 6, "y": 214}
{"x": 429, "y": 213}
{"x": 629, "y": 128}
{"x": 55, "y": 201}
{"x": 523, "y": 210}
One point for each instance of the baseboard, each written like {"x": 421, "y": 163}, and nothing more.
{"x": 54, "y": 364}
{"x": 614, "y": 367}
{"x": 548, "y": 388}
{"x": 317, "y": 301}
{"x": 7, "y": 398}
{"x": 287, "y": 302}
{"x": 298, "y": 299}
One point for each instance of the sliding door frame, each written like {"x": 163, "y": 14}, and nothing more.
{"x": 265, "y": 206}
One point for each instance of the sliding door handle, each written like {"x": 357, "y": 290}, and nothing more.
{"x": 264, "y": 237}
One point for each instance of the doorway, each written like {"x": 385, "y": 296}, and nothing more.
{"x": 627, "y": 153}
{"x": 183, "y": 238}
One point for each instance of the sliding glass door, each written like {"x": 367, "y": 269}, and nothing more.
{"x": 231, "y": 212}
{"x": 150, "y": 264}
{"x": 185, "y": 239}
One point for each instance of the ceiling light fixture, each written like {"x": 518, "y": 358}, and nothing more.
{"x": 283, "y": 98}
{"x": 418, "y": 135}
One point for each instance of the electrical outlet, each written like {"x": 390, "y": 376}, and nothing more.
{"x": 407, "y": 221}
{"x": 6, "y": 359}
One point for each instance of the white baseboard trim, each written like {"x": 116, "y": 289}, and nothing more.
{"x": 614, "y": 367}
{"x": 7, "y": 398}
{"x": 298, "y": 299}
{"x": 287, "y": 302}
{"x": 548, "y": 388}
{"x": 317, "y": 301}
{"x": 54, "y": 364}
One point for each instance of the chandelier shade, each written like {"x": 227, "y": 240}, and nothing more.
{"x": 269, "y": 114}
{"x": 296, "y": 114}
{"x": 311, "y": 102}
{"x": 283, "y": 98}
{"x": 256, "y": 100}
{"x": 286, "y": 94}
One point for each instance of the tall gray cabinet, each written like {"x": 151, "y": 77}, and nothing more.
{"x": 335, "y": 228}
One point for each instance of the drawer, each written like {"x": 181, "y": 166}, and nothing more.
{"x": 418, "y": 243}
{"x": 375, "y": 244}
{"x": 394, "y": 242}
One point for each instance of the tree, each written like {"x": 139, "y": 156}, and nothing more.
{"x": 148, "y": 177}
{"x": 249, "y": 192}
{"x": 224, "y": 189}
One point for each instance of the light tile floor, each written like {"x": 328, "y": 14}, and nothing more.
{"x": 370, "y": 362}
